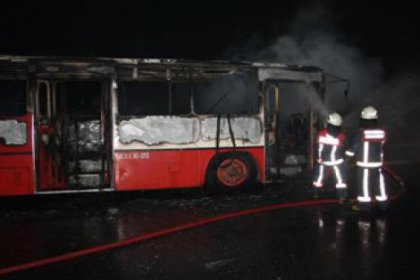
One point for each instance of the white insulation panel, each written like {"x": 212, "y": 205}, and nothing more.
{"x": 13, "y": 132}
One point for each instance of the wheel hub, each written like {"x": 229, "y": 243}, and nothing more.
{"x": 232, "y": 172}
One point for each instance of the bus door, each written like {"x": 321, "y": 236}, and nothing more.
{"x": 288, "y": 122}
{"x": 49, "y": 167}
{"x": 16, "y": 153}
{"x": 72, "y": 147}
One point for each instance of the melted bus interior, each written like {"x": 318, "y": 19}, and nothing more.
{"x": 289, "y": 149}
{"x": 83, "y": 144}
{"x": 74, "y": 155}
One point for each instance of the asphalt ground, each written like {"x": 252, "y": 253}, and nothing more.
{"x": 314, "y": 242}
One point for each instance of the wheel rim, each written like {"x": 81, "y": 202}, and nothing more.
{"x": 232, "y": 172}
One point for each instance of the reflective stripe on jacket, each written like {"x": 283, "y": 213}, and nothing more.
{"x": 330, "y": 148}
{"x": 368, "y": 148}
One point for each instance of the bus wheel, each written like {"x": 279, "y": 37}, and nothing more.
{"x": 231, "y": 172}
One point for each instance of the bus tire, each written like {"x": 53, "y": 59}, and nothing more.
{"x": 231, "y": 173}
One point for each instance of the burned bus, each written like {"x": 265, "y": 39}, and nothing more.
{"x": 122, "y": 124}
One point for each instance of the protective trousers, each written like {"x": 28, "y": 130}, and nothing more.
{"x": 321, "y": 173}
{"x": 371, "y": 184}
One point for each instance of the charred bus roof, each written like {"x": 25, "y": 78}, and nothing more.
{"x": 149, "y": 69}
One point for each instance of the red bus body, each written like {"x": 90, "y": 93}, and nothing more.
{"x": 17, "y": 164}
{"x": 169, "y": 168}
{"x": 79, "y": 136}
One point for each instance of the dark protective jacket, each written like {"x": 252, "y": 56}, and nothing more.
{"x": 367, "y": 147}
{"x": 330, "y": 148}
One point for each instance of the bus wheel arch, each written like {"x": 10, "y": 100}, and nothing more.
{"x": 231, "y": 172}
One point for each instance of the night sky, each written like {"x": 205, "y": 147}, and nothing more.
{"x": 203, "y": 29}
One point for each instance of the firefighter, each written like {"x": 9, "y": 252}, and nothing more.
{"x": 368, "y": 152}
{"x": 331, "y": 142}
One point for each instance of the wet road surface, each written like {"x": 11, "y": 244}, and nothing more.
{"x": 316, "y": 242}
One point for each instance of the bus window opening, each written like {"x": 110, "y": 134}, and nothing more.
{"x": 229, "y": 94}
{"x": 13, "y": 98}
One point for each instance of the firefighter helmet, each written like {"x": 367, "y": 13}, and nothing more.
{"x": 369, "y": 113}
{"x": 335, "y": 119}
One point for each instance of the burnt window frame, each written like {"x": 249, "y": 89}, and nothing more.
{"x": 17, "y": 116}
{"x": 257, "y": 109}
{"x": 26, "y": 97}
{"x": 189, "y": 77}
{"x": 46, "y": 115}
{"x": 170, "y": 85}
{"x": 57, "y": 83}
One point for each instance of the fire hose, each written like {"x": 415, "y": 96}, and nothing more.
{"x": 175, "y": 229}
{"x": 398, "y": 180}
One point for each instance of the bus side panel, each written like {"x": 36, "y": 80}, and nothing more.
{"x": 16, "y": 164}
{"x": 16, "y": 175}
{"x": 156, "y": 169}
{"x": 135, "y": 170}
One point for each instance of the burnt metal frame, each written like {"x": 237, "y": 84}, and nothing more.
{"x": 120, "y": 69}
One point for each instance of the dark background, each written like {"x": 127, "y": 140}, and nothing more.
{"x": 202, "y": 29}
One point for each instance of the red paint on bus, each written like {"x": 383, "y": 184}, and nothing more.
{"x": 16, "y": 163}
{"x": 160, "y": 169}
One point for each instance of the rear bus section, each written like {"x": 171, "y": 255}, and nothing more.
{"x": 16, "y": 136}
{"x": 54, "y": 126}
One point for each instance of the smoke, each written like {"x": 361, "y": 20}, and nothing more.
{"x": 397, "y": 101}
{"x": 324, "y": 51}
{"x": 313, "y": 40}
